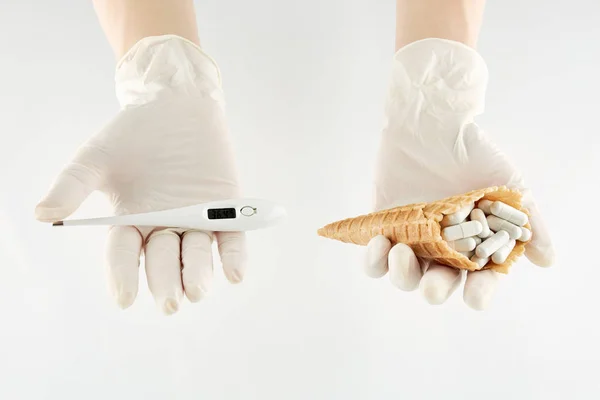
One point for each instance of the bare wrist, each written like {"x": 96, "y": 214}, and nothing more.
{"x": 125, "y": 22}
{"x": 458, "y": 20}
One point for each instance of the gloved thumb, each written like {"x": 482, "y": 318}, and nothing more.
{"x": 539, "y": 250}
{"x": 73, "y": 185}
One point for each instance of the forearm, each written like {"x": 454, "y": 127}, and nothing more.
{"x": 125, "y": 22}
{"x": 458, "y": 20}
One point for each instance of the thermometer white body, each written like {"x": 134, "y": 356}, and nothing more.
{"x": 235, "y": 215}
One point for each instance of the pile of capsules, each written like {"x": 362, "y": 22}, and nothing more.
{"x": 489, "y": 230}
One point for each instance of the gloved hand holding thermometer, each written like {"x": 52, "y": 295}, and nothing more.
{"x": 431, "y": 148}
{"x": 168, "y": 147}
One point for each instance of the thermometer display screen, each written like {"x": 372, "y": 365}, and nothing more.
{"x": 221, "y": 213}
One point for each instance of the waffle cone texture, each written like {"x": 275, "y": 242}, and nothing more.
{"x": 418, "y": 226}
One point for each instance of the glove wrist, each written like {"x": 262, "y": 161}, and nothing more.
{"x": 438, "y": 77}
{"x": 157, "y": 65}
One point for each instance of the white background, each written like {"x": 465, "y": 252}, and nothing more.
{"x": 305, "y": 83}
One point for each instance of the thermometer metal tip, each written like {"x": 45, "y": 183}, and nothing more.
{"x": 58, "y": 223}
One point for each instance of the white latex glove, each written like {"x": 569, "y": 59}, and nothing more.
{"x": 167, "y": 147}
{"x": 431, "y": 149}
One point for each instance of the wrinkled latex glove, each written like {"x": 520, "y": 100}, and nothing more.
{"x": 168, "y": 147}
{"x": 431, "y": 149}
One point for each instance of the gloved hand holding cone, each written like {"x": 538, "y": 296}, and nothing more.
{"x": 420, "y": 226}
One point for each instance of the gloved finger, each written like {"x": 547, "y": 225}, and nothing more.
{"x": 439, "y": 282}
{"x": 376, "y": 262}
{"x": 479, "y": 288}
{"x": 197, "y": 261}
{"x": 404, "y": 267}
{"x": 123, "y": 248}
{"x": 163, "y": 269}
{"x": 73, "y": 185}
{"x": 539, "y": 250}
{"x": 233, "y": 252}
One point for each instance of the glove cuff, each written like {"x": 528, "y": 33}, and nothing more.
{"x": 159, "y": 65}
{"x": 438, "y": 77}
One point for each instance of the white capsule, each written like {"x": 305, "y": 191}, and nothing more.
{"x": 466, "y": 244}
{"x": 484, "y": 205}
{"x": 446, "y": 223}
{"x": 467, "y": 254}
{"x": 493, "y": 243}
{"x": 498, "y": 224}
{"x": 477, "y": 239}
{"x": 478, "y": 215}
{"x": 480, "y": 261}
{"x": 457, "y": 217}
{"x": 525, "y": 235}
{"x": 508, "y": 213}
{"x": 502, "y": 253}
{"x": 462, "y": 231}
{"x": 489, "y": 234}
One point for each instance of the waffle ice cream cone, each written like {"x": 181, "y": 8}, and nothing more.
{"x": 418, "y": 226}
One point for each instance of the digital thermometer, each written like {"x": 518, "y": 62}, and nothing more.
{"x": 219, "y": 216}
